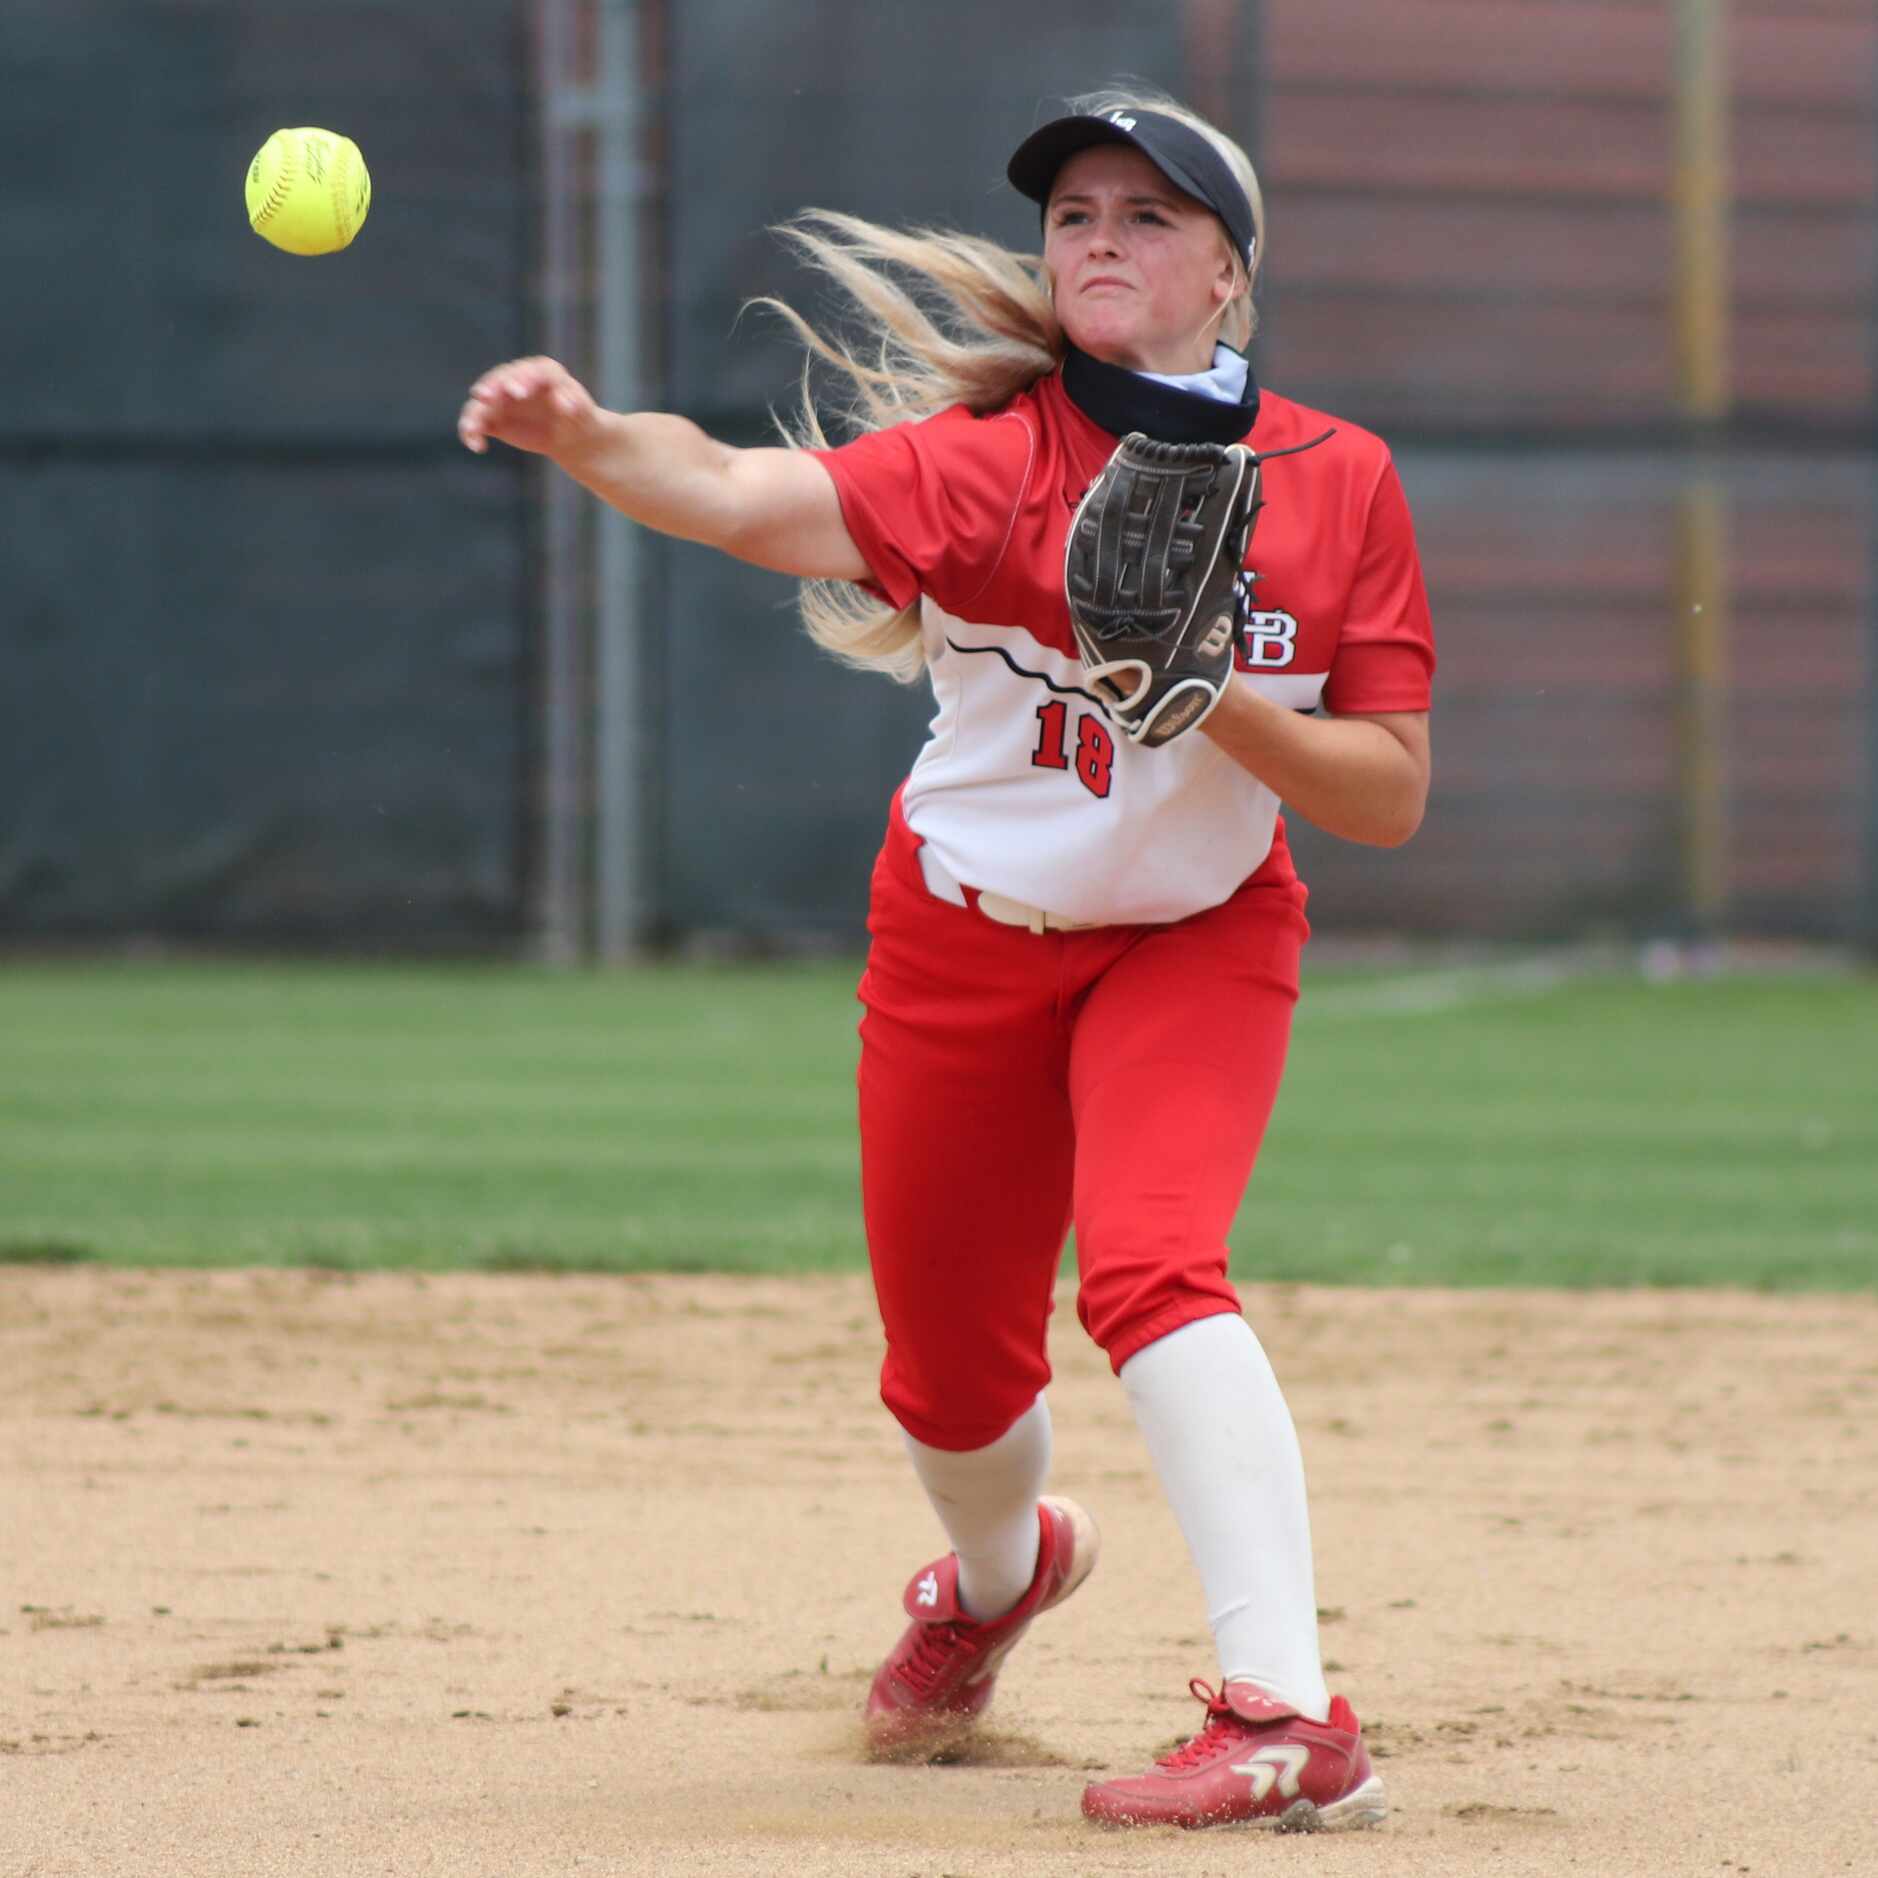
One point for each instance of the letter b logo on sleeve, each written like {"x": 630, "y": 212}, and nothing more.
{"x": 1267, "y": 642}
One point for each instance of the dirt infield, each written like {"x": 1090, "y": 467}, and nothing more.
{"x": 509, "y": 1575}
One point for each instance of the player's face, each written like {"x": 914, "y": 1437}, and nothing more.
{"x": 1142, "y": 270}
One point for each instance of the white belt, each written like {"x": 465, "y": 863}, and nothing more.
{"x": 1009, "y": 912}
{"x": 995, "y": 906}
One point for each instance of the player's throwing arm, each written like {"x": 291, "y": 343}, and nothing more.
{"x": 775, "y": 508}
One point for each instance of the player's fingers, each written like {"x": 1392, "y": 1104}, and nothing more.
{"x": 487, "y": 407}
{"x": 519, "y": 379}
{"x": 512, "y": 380}
{"x": 521, "y": 392}
{"x": 528, "y": 378}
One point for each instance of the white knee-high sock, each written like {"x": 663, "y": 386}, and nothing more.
{"x": 986, "y": 1499}
{"x": 1223, "y": 1444}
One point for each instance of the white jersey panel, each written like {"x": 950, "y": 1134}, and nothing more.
{"x": 1117, "y": 833}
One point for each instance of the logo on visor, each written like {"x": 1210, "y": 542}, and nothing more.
{"x": 1121, "y": 120}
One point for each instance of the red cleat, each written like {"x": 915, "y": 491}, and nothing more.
{"x": 1257, "y": 1762}
{"x": 938, "y": 1679}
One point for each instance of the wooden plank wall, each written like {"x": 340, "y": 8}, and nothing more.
{"x": 1469, "y": 214}
{"x": 1471, "y": 245}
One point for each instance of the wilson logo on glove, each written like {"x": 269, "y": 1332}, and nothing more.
{"x": 1218, "y": 638}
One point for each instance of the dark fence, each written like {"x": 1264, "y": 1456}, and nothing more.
{"x": 263, "y": 625}
{"x": 271, "y": 641}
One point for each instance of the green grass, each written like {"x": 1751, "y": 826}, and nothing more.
{"x": 1607, "y": 1131}
{"x": 1461, "y": 1129}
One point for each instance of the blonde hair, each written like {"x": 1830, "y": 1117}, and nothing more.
{"x": 945, "y": 319}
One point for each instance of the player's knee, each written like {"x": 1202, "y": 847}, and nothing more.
{"x": 1125, "y": 1306}
{"x": 959, "y": 1411}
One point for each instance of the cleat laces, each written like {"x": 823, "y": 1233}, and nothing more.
{"x": 938, "y": 1651}
{"x": 1222, "y": 1725}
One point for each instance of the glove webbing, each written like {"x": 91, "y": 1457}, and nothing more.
{"x": 1155, "y": 540}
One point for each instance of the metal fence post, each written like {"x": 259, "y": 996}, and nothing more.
{"x": 1704, "y": 396}
{"x": 558, "y": 911}
{"x": 594, "y": 889}
{"x": 622, "y": 820}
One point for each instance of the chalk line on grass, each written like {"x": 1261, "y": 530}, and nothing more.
{"x": 1430, "y": 993}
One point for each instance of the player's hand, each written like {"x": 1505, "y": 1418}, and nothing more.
{"x": 530, "y": 404}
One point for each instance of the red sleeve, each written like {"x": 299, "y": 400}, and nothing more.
{"x": 931, "y": 504}
{"x": 1385, "y": 658}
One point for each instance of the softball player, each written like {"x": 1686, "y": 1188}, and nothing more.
{"x": 1084, "y": 951}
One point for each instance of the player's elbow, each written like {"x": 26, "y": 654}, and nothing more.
{"x": 1405, "y": 800}
{"x": 779, "y": 510}
{"x": 1396, "y": 813}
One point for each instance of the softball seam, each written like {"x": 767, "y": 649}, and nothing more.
{"x": 284, "y": 180}
{"x": 343, "y": 224}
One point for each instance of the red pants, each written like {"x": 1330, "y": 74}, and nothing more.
{"x": 1015, "y": 1083}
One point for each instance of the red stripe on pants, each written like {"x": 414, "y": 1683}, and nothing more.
{"x": 1012, "y": 1083}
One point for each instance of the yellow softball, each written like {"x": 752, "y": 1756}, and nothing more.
{"x": 308, "y": 191}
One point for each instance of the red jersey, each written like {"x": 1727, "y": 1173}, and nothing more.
{"x": 1025, "y": 787}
